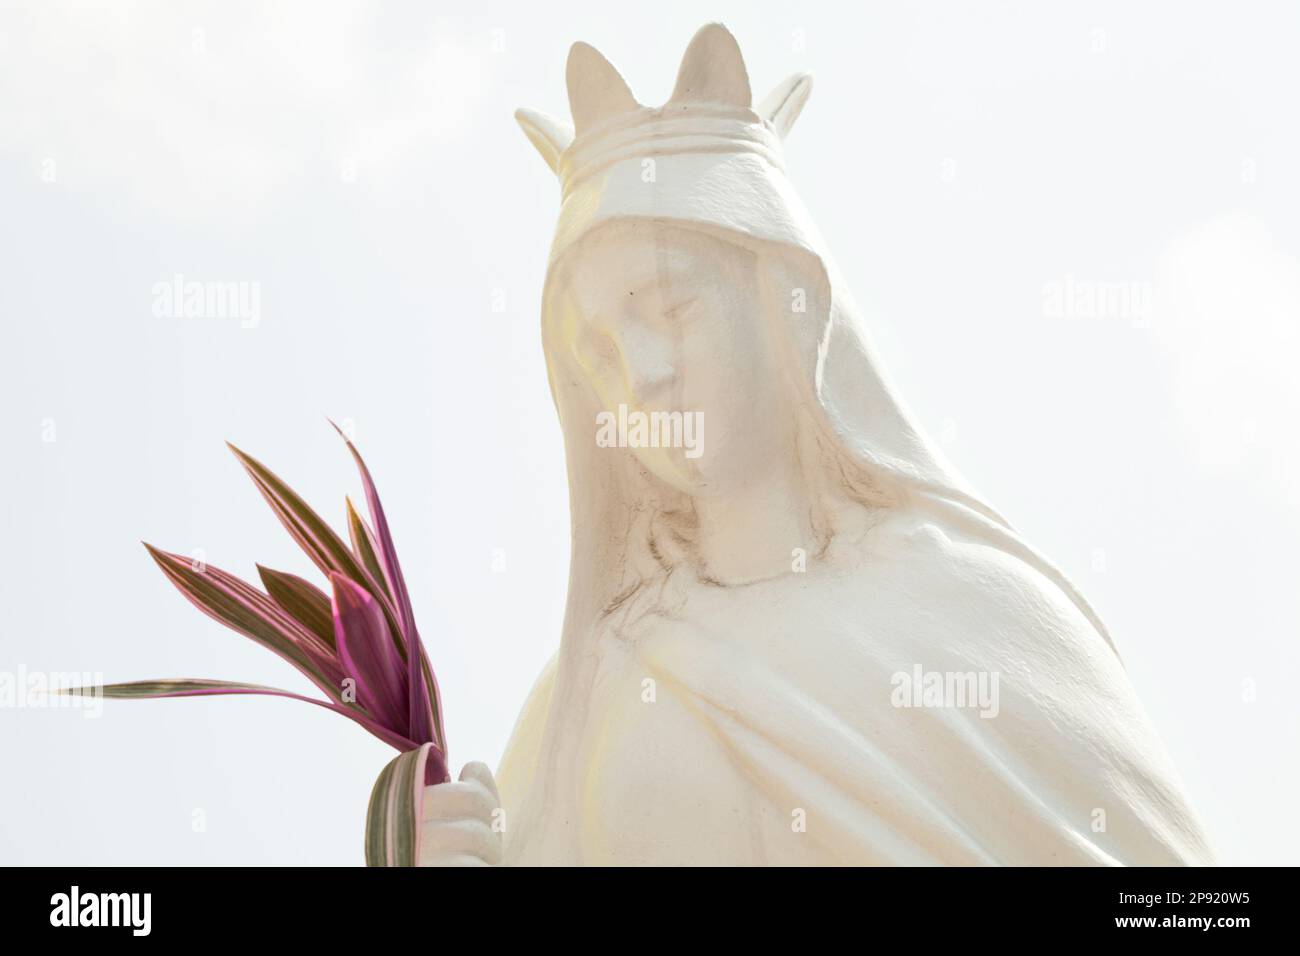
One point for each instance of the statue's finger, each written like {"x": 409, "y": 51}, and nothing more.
{"x": 467, "y": 800}
{"x": 476, "y": 770}
{"x": 460, "y": 838}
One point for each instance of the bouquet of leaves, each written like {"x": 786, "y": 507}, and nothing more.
{"x": 358, "y": 644}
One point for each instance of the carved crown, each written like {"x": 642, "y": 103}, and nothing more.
{"x": 711, "y": 110}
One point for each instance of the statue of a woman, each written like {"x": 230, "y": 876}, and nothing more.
{"x": 794, "y": 635}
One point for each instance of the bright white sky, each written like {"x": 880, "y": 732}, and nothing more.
{"x": 360, "y": 163}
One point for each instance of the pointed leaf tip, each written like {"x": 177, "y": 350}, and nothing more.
{"x": 301, "y": 600}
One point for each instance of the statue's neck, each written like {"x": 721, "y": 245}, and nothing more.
{"x": 761, "y": 531}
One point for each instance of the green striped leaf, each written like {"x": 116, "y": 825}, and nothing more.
{"x": 234, "y": 603}
{"x": 325, "y": 548}
{"x": 193, "y": 687}
{"x": 393, "y": 818}
{"x": 301, "y": 600}
{"x": 363, "y": 543}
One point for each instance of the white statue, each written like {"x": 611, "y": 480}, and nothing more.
{"x": 796, "y": 636}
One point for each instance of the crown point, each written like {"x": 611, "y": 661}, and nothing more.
{"x": 596, "y": 90}
{"x": 713, "y": 70}
{"x": 550, "y": 136}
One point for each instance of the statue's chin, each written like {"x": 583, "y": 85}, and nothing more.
{"x": 672, "y": 468}
{"x": 686, "y": 477}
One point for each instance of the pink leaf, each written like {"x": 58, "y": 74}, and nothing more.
{"x": 425, "y": 706}
{"x": 368, "y": 654}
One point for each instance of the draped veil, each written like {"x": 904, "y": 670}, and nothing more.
{"x": 711, "y": 162}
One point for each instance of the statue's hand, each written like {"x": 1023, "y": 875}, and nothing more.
{"x": 458, "y": 821}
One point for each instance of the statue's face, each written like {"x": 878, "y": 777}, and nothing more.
{"x": 670, "y": 327}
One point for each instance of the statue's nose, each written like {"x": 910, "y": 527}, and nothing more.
{"x": 647, "y": 368}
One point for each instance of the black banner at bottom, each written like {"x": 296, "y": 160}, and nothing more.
{"x": 333, "y": 905}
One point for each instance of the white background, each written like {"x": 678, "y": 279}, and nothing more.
{"x": 361, "y": 164}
